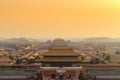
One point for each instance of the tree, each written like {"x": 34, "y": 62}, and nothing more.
{"x": 30, "y": 61}
{"x": 117, "y": 52}
{"x": 81, "y": 76}
{"x": 18, "y": 61}
{"x": 97, "y": 61}
{"x": 103, "y": 55}
{"x": 39, "y": 76}
{"x": 107, "y": 57}
{"x": 11, "y": 57}
{"x": 91, "y": 61}
{"x": 82, "y": 57}
{"x": 37, "y": 59}
{"x": 94, "y": 78}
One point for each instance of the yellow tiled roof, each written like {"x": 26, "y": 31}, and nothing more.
{"x": 60, "y": 60}
{"x": 36, "y": 54}
{"x": 31, "y": 57}
{"x": 60, "y": 52}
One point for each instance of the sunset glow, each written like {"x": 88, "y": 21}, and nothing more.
{"x": 59, "y": 18}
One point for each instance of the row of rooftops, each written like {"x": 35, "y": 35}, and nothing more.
{"x": 59, "y": 48}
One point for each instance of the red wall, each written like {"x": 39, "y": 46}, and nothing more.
{"x": 47, "y": 73}
{"x": 13, "y": 79}
{"x": 108, "y": 79}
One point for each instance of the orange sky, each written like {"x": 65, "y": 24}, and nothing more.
{"x": 59, "y": 18}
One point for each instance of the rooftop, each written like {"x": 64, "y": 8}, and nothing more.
{"x": 60, "y": 52}
{"x": 59, "y": 44}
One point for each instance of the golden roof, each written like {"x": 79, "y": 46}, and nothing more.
{"x": 59, "y": 44}
{"x": 60, "y": 60}
{"x": 31, "y": 57}
{"x": 60, "y": 52}
{"x": 36, "y": 54}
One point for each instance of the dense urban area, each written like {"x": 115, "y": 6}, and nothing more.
{"x": 59, "y": 59}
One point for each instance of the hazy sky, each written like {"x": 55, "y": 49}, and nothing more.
{"x": 59, "y": 18}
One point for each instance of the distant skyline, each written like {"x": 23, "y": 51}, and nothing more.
{"x": 59, "y": 18}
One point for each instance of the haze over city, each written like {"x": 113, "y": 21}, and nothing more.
{"x": 59, "y": 39}
{"x": 59, "y": 18}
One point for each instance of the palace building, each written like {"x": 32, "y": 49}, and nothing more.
{"x": 60, "y": 55}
